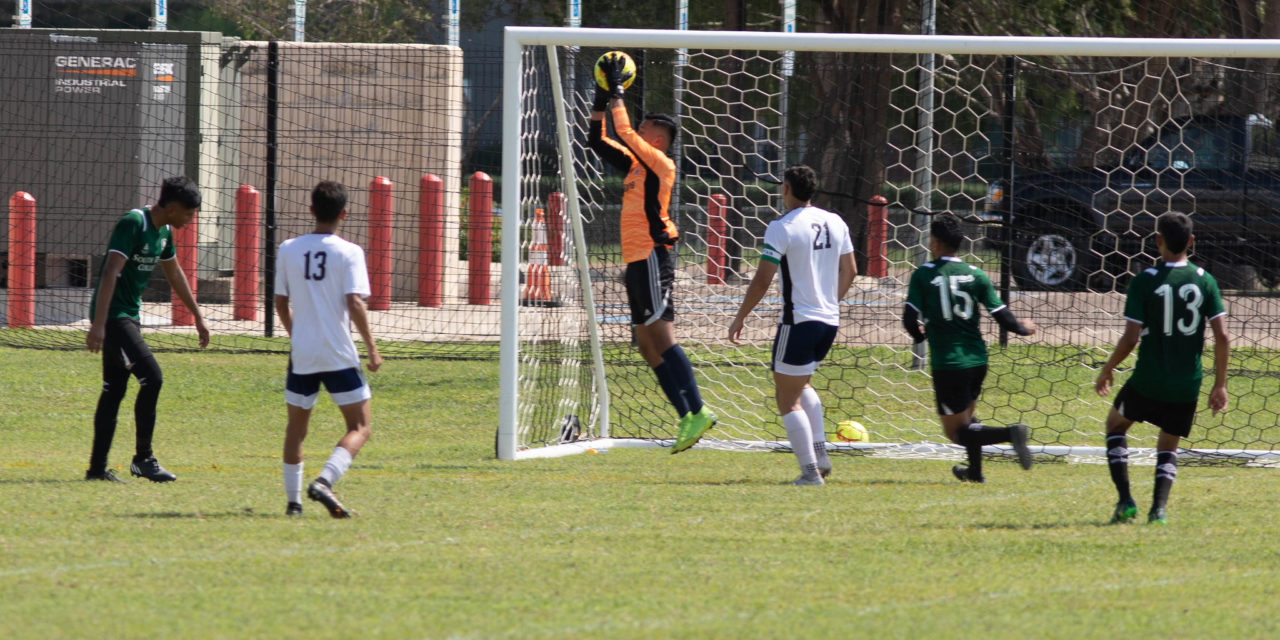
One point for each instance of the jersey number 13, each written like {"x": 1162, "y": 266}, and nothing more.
{"x": 314, "y": 271}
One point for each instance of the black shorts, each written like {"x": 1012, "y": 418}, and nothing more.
{"x": 649, "y": 283}
{"x": 798, "y": 348}
{"x": 123, "y": 346}
{"x": 1173, "y": 418}
{"x": 955, "y": 389}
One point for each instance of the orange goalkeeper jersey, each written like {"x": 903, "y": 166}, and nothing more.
{"x": 646, "y": 191}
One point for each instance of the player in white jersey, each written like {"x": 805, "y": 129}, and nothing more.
{"x": 321, "y": 283}
{"x": 811, "y": 251}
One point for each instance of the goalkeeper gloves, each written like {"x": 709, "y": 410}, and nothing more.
{"x": 612, "y": 66}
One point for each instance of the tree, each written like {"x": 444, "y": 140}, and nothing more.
{"x": 850, "y": 100}
{"x": 329, "y": 20}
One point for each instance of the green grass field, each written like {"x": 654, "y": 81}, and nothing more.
{"x": 450, "y": 543}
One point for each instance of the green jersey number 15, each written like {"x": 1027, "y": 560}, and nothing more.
{"x": 948, "y": 290}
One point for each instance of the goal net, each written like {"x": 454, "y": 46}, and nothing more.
{"x": 1057, "y": 153}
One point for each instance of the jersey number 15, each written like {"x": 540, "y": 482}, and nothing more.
{"x": 949, "y": 289}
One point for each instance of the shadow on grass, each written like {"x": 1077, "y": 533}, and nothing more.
{"x": 198, "y": 515}
{"x": 1040, "y": 526}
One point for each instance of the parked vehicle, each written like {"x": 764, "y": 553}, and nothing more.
{"x": 1085, "y": 228}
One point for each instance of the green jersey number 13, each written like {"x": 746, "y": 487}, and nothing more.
{"x": 1190, "y": 293}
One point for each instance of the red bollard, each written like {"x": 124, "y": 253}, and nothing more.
{"x": 244, "y": 300}
{"x": 379, "y": 244}
{"x": 430, "y": 240}
{"x": 22, "y": 260}
{"x": 479, "y": 244}
{"x": 877, "y": 232}
{"x": 717, "y": 237}
{"x": 555, "y": 229}
{"x": 184, "y": 242}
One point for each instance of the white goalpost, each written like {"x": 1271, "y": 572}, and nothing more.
{"x": 570, "y": 379}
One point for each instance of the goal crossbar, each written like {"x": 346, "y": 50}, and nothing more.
{"x": 517, "y": 37}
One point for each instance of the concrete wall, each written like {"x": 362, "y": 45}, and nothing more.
{"x": 351, "y": 113}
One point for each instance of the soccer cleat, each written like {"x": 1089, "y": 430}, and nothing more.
{"x": 804, "y": 481}
{"x": 961, "y": 473}
{"x": 104, "y": 476}
{"x": 824, "y": 470}
{"x": 692, "y": 427}
{"x": 321, "y": 492}
{"x": 1018, "y": 437}
{"x": 1126, "y": 511}
{"x": 1157, "y": 517}
{"x": 294, "y": 509}
{"x": 150, "y": 469}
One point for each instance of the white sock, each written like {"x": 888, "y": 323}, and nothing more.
{"x": 812, "y": 406}
{"x": 338, "y": 463}
{"x": 293, "y": 482}
{"x": 801, "y": 438}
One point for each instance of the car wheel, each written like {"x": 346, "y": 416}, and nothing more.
{"x": 1048, "y": 261}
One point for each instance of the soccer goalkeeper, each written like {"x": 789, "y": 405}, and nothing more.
{"x": 648, "y": 243}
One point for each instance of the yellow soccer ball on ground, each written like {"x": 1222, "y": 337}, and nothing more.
{"x": 628, "y": 66}
{"x": 851, "y": 431}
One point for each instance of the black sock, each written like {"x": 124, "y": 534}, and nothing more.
{"x": 682, "y": 372}
{"x": 973, "y": 437}
{"x": 983, "y": 434}
{"x": 668, "y": 383}
{"x": 1166, "y": 471}
{"x": 144, "y": 407}
{"x": 104, "y": 420}
{"x": 1118, "y": 461}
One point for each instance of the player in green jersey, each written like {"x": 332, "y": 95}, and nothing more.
{"x": 945, "y": 293}
{"x": 141, "y": 239}
{"x": 1166, "y": 311}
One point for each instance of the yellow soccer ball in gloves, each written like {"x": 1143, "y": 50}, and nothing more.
{"x": 628, "y": 70}
{"x": 851, "y": 431}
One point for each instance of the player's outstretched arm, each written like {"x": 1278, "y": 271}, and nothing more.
{"x": 1124, "y": 346}
{"x": 755, "y": 293}
{"x": 178, "y": 282}
{"x": 1007, "y": 321}
{"x": 1221, "y": 356}
{"x": 360, "y": 318}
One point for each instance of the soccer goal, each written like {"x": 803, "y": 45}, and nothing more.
{"x": 1111, "y": 132}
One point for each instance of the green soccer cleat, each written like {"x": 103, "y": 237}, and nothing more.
{"x": 1125, "y": 511}
{"x": 1157, "y": 517}
{"x": 692, "y": 427}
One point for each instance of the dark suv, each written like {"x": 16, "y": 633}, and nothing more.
{"x": 1078, "y": 228}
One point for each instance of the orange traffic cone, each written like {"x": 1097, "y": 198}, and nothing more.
{"x": 537, "y": 282}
